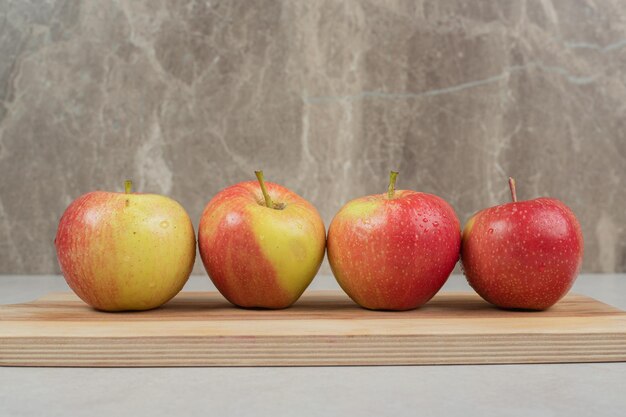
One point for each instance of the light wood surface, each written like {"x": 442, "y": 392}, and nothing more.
{"x": 323, "y": 328}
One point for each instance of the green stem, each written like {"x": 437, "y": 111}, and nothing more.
{"x": 392, "y": 184}
{"x": 512, "y": 188}
{"x": 268, "y": 199}
{"x": 128, "y": 186}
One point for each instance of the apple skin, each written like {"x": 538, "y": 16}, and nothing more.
{"x": 523, "y": 255}
{"x": 120, "y": 251}
{"x": 259, "y": 256}
{"x": 394, "y": 254}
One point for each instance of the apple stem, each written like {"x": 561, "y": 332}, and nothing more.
{"x": 512, "y": 188}
{"x": 268, "y": 199}
{"x": 128, "y": 186}
{"x": 392, "y": 184}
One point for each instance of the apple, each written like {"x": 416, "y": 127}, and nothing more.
{"x": 125, "y": 251}
{"x": 261, "y": 243}
{"x": 524, "y": 254}
{"x": 394, "y": 251}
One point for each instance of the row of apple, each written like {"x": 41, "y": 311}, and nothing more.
{"x": 262, "y": 244}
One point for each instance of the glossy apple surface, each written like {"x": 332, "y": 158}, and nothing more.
{"x": 121, "y": 251}
{"x": 394, "y": 253}
{"x": 259, "y": 256}
{"x": 523, "y": 255}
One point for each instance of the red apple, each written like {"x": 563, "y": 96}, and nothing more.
{"x": 125, "y": 251}
{"x": 394, "y": 251}
{"x": 261, "y": 243}
{"x": 524, "y": 254}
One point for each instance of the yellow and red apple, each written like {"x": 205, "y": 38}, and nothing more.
{"x": 125, "y": 251}
{"x": 261, "y": 243}
{"x": 394, "y": 251}
{"x": 524, "y": 254}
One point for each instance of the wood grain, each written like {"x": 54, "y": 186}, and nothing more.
{"x": 323, "y": 328}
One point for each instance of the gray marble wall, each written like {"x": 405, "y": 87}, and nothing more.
{"x": 187, "y": 97}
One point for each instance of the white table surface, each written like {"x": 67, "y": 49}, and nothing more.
{"x": 481, "y": 390}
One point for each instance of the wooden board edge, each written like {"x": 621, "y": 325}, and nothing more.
{"x": 320, "y": 351}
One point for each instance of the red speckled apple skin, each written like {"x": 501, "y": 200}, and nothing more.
{"x": 396, "y": 253}
{"x": 523, "y": 255}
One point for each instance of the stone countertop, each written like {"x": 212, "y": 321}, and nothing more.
{"x": 483, "y": 390}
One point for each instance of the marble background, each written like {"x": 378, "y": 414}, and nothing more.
{"x": 187, "y": 97}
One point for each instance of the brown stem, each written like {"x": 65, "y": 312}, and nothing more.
{"x": 512, "y": 188}
{"x": 268, "y": 199}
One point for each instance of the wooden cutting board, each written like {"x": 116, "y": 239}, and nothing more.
{"x": 323, "y": 328}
